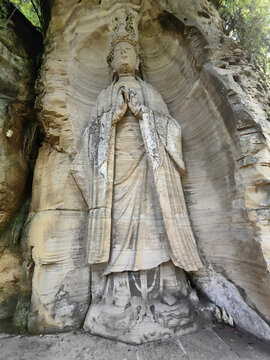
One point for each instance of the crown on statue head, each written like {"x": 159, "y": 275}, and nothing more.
{"x": 125, "y": 29}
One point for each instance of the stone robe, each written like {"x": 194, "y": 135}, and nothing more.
{"x": 93, "y": 170}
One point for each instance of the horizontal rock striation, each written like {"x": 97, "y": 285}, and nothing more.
{"x": 221, "y": 103}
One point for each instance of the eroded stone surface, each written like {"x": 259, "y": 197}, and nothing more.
{"x": 17, "y": 134}
{"x": 220, "y": 102}
{"x": 10, "y": 275}
{"x": 60, "y": 284}
{"x": 128, "y": 170}
{"x": 221, "y": 344}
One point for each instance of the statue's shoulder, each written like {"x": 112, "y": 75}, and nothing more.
{"x": 105, "y": 92}
{"x": 154, "y": 99}
{"x": 150, "y": 88}
{"x": 103, "y": 103}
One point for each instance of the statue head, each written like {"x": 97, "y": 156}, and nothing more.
{"x": 125, "y": 60}
{"x": 125, "y": 53}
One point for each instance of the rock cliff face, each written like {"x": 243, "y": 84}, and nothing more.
{"x": 221, "y": 103}
{"x": 17, "y": 129}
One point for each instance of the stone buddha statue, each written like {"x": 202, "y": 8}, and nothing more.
{"x": 140, "y": 240}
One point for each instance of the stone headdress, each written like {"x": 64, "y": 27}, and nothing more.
{"x": 125, "y": 28}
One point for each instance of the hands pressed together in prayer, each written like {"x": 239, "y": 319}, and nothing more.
{"x": 126, "y": 98}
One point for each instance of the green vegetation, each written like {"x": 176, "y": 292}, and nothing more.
{"x": 4, "y": 14}
{"x": 248, "y": 22}
{"x": 31, "y": 9}
{"x": 11, "y": 234}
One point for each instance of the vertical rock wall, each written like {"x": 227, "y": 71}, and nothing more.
{"x": 220, "y": 101}
{"x": 19, "y": 45}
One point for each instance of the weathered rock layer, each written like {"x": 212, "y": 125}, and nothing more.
{"x": 18, "y": 70}
{"x": 221, "y": 103}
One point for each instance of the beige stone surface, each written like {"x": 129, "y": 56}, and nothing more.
{"x": 53, "y": 185}
{"x": 60, "y": 284}
{"x": 210, "y": 90}
{"x": 128, "y": 171}
{"x": 211, "y": 344}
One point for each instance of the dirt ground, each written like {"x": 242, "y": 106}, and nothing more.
{"x": 216, "y": 343}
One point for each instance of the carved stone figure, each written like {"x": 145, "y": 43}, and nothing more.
{"x": 140, "y": 239}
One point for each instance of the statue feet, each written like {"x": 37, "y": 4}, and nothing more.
{"x": 137, "y": 322}
{"x": 142, "y": 306}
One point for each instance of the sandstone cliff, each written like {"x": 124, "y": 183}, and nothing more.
{"x": 222, "y": 105}
{"x": 20, "y": 45}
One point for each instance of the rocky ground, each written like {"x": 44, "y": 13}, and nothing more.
{"x": 214, "y": 343}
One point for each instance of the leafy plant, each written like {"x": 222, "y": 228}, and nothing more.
{"x": 248, "y": 22}
{"x": 31, "y": 9}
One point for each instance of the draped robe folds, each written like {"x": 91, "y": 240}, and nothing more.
{"x": 93, "y": 171}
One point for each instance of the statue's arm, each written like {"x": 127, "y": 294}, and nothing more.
{"x": 170, "y": 135}
{"x": 156, "y": 120}
{"x": 167, "y": 127}
{"x": 82, "y": 165}
{"x": 174, "y": 143}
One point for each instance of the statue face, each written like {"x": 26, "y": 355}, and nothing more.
{"x": 125, "y": 58}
